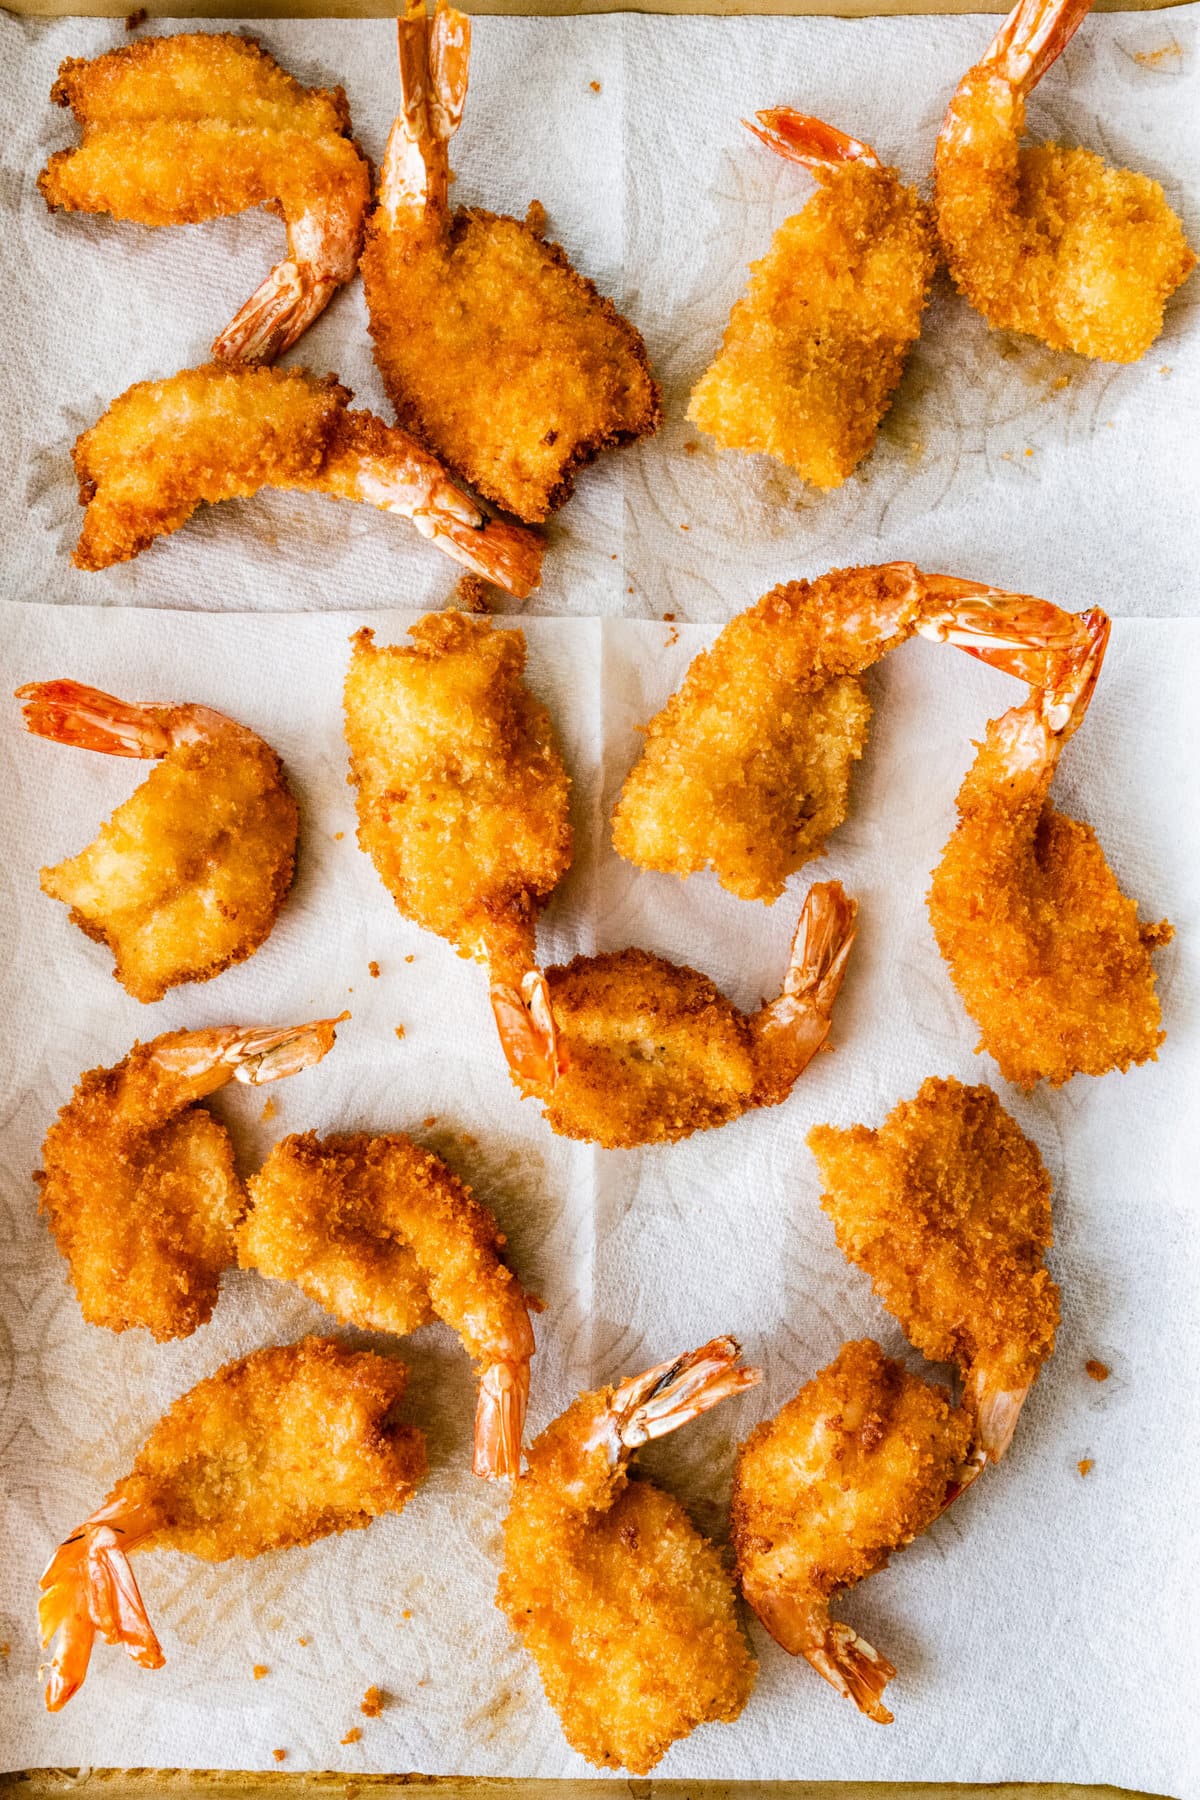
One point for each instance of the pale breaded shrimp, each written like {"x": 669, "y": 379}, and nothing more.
{"x": 188, "y": 876}
{"x": 1045, "y": 950}
{"x": 862, "y": 1461}
{"x": 494, "y": 352}
{"x": 274, "y": 1451}
{"x": 816, "y": 346}
{"x": 139, "y": 1183}
{"x": 947, "y": 1208}
{"x": 463, "y": 804}
{"x": 1048, "y": 240}
{"x": 384, "y": 1236}
{"x": 746, "y": 770}
{"x": 198, "y": 126}
{"x": 627, "y": 1611}
{"x": 649, "y": 1051}
{"x": 225, "y": 430}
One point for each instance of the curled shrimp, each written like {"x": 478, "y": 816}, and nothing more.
{"x": 138, "y": 1181}
{"x": 205, "y": 124}
{"x": 649, "y": 1051}
{"x": 382, "y": 1234}
{"x": 1049, "y": 240}
{"x": 628, "y": 1612}
{"x": 1045, "y": 950}
{"x": 816, "y": 346}
{"x": 863, "y": 1459}
{"x": 188, "y": 876}
{"x": 234, "y": 1468}
{"x": 225, "y": 430}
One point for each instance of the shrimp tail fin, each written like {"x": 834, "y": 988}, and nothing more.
{"x": 663, "y": 1398}
{"x": 69, "y": 712}
{"x": 1035, "y": 34}
{"x": 528, "y": 1032}
{"x": 89, "y": 1588}
{"x": 799, "y": 138}
{"x": 279, "y": 311}
{"x": 500, "y": 1419}
{"x": 803, "y": 1627}
{"x": 995, "y": 1409}
{"x": 793, "y": 1027}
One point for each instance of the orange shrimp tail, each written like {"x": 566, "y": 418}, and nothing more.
{"x": 528, "y": 1033}
{"x": 798, "y": 138}
{"x": 846, "y": 1661}
{"x": 1070, "y": 692}
{"x": 88, "y": 1589}
{"x": 995, "y": 1410}
{"x": 663, "y": 1398}
{"x": 500, "y": 1419}
{"x": 68, "y": 712}
{"x": 279, "y": 311}
{"x": 506, "y": 554}
{"x": 1035, "y": 34}
{"x": 1017, "y": 634}
{"x": 793, "y": 1027}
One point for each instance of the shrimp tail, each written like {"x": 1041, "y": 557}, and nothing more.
{"x": 434, "y": 59}
{"x": 835, "y": 1651}
{"x": 798, "y": 138}
{"x": 995, "y": 1410}
{"x": 794, "y": 1026}
{"x": 1017, "y": 634}
{"x": 68, "y": 712}
{"x": 528, "y": 1032}
{"x": 663, "y": 1398}
{"x": 206, "y": 1060}
{"x": 278, "y": 312}
{"x": 500, "y": 1419}
{"x": 1035, "y": 34}
{"x": 89, "y": 1588}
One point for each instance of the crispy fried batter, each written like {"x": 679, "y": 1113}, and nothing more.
{"x": 817, "y": 344}
{"x": 856, "y": 1466}
{"x": 947, "y": 1208}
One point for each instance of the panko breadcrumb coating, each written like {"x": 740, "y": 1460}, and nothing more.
{"x": 281, "y": 1448}
{"x": 1049, "y": 240}
{"x": 861, "y": 1462}
{"x": 816, "y": 346}
{"x": 382, "y": 1234}
{"x": 181, "y": 129}
{"x": 493, "y": 350}
{"x": 138, "y": 1181}
{"x": 189, "y": 874}
{"x": 629, "y": 1614}
{"x": 947, "y": 1208}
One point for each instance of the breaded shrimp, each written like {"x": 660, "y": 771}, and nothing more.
{"x": 463, "y": 803}
{"x": 628, "y": 1612}
{"x": 385, "y": 1237}
{"x": 139, "y": 1183}
{"x": 649, "y": 1051}
{"x": 747, "y": 768}
{"x": 189, "y": 874}
{"x": 859, "y": 1464}
{"x": 815, "y": 348}
{"x": 494, "y": 352}
{"x": 947, "y": 1208}
{"x": 1048, "y": 240}
{"x": 225, "y": 430}
{"x": 274, "y": 1451}
{"x": 1044, "y": 948}
{"x": 181, "y": 129}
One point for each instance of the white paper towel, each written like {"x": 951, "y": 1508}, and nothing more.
{"x": 1041, "y": 1629}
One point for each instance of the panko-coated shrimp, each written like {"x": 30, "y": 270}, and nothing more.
{"x": 198, "y": 126}
{"x": 384, "y": 1236}
{"x": 1045, "y": 950}
{"x": 226, "y": 430}
{"x": 947, "y": 1208}
{"x": 494, "y": 352}
{"x": 747, "y": 768}
{"x": 188, "y": 876}
{"x": 277, "y": 1450}
{"x": 463, "y": 805}
{"x": 816, "y": 346}
{"x": 649, "y": 1051}
{"x": 1047, "y": 240}
{"x": 629, "y": 1614}
{"x": 139, "y": 1183}
{"x": 862, "y": 1461}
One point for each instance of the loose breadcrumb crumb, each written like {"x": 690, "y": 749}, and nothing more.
{"x": 353, "y": 1735}
{"x": 338, "y": 836}
{"x": 303, "y": 1642}
{"x": 374, "y": 969}
{"x": 372, "y": 1702}
{"x": 410, "y": 958}
{"x": 431, "y": 1120}
{"x": 1086, "y": 1466}
{"x": 1097, "y": 1370}
{"x": 595, "y": 85}
{"x": 269, "y": 1109}
{"x": 260, "y": 1669}
{"x": 399, "y": 1031}
{"x": 279, "y": 1755}
{"x": 139, "y": 16}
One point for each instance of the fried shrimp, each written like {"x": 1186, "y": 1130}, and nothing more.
{"x": 1045, "y": 950}
{"x": 380, "y": 1233}
{"x": 859, "y": 1464}
{"x": 139, "y": 1183}
{"x": 1048, "y": 240}
{"x": 274, "y": 1451}
{"x": 189, "y": 874}
{"x": 747, "y": 768}
{"x": 494, "y": 352}
{"x": 226, "y": 430}
{"x": 181, "y": 129}
{"x": 628, "y": 1612}
{"x": 463, "y": 804}
{"x": 816, "y": 346}
{"x": 649, "y": 1051}
{"x": 947, "y": 1208}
